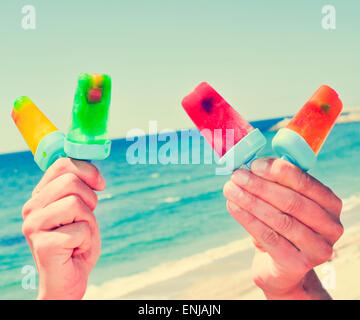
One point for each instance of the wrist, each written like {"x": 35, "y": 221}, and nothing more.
{"x": 296, "y": 293}
{"x": 58, "y": 296}
{"x": 42, "y": 296}
{"x": 309, "y": 288}
{"x": 48, "y": 295}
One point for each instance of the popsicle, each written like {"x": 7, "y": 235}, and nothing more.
{"x": 230, "y": 135}
{"x": 302, "y": 139}
{"x": 45, "y": 141}
{"x": 87, "y": 138}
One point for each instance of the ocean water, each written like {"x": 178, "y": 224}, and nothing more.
{"x": 151, "y": 214}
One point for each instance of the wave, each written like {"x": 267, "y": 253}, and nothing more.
{"x": 119, "y": 287}
{"x": 163, "y": 205}
{"x": 105, "y": 196}
{"x": 159, "y": 186}
{"x": 281, "y": 124}
{"x": 171, "y": 199}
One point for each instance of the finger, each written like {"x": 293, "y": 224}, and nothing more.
{"x": 288, "y": 201}
{"x": 59, "y": 213}
{"x": 83, "y": 169}
{"x": 60, "y": 243}
{"x": 79, "y": 238}
{"x": 275, "y": 245}
{"x": 315, "y": 247}
{"x": 63, "y": 186}
{"x": 289, "y": 175}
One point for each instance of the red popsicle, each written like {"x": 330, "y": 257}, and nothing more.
{"x": 213, "y": 115}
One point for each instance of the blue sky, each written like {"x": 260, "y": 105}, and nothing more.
{"x": 265, "y": 57}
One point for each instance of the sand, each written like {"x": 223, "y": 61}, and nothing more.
{"x": 224, "y": 273}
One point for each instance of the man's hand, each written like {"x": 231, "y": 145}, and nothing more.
{"x": 61, "y": 229}
{"x": 294, "y": 221}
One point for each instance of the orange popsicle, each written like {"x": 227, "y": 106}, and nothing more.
{"x": 303, "y": 137}
{"x": 31, "y": 122}
{"x": 317, "y": 117}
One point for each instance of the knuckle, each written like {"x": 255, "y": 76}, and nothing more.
{"x": 71, "y": 180}
{"x": 26, "y": 209}
{"x": 270, "y": 237}
{"x": 306, "y": 182}
{"x": 61, "y": 165}
{"x": 336, "y": 202}
{"x": 325, "y": 253}
{"x": 96, "y": 199}
{"x": 339, "y": 231}
{"x": 27, "y": 230}
{"x": 294, "y": 204}
{"x": 339, "y": 205}
{"x": 75, "y": 202}
{"x": 284, "y": 223}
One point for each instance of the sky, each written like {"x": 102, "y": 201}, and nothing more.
{"x": 266, "y": 58}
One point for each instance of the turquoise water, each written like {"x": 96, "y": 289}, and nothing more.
{"x": 150, "y": 214}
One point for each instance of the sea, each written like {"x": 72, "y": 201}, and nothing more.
{"x": 153, "y": 214}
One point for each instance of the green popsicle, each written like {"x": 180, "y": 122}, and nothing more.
{"x": 87, "y": 138}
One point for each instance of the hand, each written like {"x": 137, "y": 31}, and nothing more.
{"x": 61, "y": 229}
{"x": 294, "y": 221}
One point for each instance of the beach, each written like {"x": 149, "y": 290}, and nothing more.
{"x": 165, "y": 229}
{"x": 225, "y": 273}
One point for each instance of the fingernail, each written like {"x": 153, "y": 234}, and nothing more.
{"x": 234, "y": 191}
{"x": 241, "y": 177}
{"x": 259, "y": 165}
{"x": 232, "y": 206}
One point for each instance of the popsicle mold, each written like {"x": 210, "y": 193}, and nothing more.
{"x": 87, "y": 138}
{"x": 50, "y": 148}
{"x": 244, "y": 152}
{"x": 293, "y": 147}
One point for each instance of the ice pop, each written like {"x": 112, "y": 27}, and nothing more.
{"x": 45, "y": 141}
{"x": 212, "y": 115}
{"x": 303, "y": 137}
{"x": 87, "y": 138}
